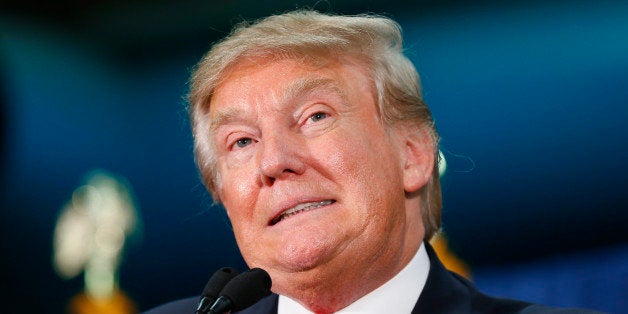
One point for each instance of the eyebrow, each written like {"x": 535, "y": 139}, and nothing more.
{"x": 224, "y": 117}
{"x": 294, "y": 90}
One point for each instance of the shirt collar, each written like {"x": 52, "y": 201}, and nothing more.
{"x": 404, "y": 288}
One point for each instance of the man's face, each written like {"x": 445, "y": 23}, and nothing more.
{"x": 312, "y": 180}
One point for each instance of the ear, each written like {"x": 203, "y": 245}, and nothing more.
{"x": 418, "y": 153}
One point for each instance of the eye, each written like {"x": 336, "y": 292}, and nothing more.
{"x": 243, "y": 142}
{"x": 318, "y": 116}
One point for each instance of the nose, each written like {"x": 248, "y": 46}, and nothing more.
{"x": 280, "y": 157}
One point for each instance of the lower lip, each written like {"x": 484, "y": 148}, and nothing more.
{"x": 302, "y": 212}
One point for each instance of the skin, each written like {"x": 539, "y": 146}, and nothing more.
{"x": 287, "y": 133}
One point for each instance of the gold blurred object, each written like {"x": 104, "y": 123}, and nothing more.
{"x": 117, "y": 303}
{"x": 90, "y": 237}
{"x": 450, "y": 260}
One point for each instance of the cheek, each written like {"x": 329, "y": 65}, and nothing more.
{"x": 362, "y": 160}
{"x": 372, "y": 170}
{"x": 355, "y": 168}
{"x": 345, "y": 167}
{"x": 237, "y": 193}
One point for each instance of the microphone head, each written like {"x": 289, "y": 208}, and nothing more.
{"x": 247, "y": 288}
{"x": 218, "y": 281}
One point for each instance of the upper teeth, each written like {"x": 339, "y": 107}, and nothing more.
{"x": 303, "y": 207}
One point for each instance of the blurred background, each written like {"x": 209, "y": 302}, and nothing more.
{"x": 530, "y": 98}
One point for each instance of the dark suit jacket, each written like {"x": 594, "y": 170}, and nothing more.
{"x": 444, "y": 292}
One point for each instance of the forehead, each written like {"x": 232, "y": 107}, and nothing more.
{"x": 279, "y": 80}
{"x": 276, "y": 66}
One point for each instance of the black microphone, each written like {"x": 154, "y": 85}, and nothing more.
{"x": 243, "y": 291}
{"x": 213, "y": 287}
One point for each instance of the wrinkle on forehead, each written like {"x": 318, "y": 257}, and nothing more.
{"x": 306, "y": 85}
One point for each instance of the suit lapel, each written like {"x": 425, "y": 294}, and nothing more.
{"x": 442, "y": 292}
{"x": 446, "y": 292}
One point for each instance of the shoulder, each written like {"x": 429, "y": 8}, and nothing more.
{"x": 175, "y": 307}
{"x": 541, "y": 309}
{"x": 447, "y": 292}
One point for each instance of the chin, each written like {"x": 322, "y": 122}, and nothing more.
{"x": 288, "y": 257}
{"x": 303, "y": 257}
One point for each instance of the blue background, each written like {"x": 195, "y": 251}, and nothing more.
{"x": 530, "y": 99}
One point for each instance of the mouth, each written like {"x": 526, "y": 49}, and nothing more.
{"x": 299, "y": 209}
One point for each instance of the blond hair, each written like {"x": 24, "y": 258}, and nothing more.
{"x": 371, "y": 39}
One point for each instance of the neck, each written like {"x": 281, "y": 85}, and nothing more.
{"x": 332, "y": 292}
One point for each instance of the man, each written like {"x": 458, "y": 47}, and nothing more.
{"x": 312, "y": 131}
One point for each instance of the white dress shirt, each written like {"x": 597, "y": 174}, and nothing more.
{"x": 398, "y": 295}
